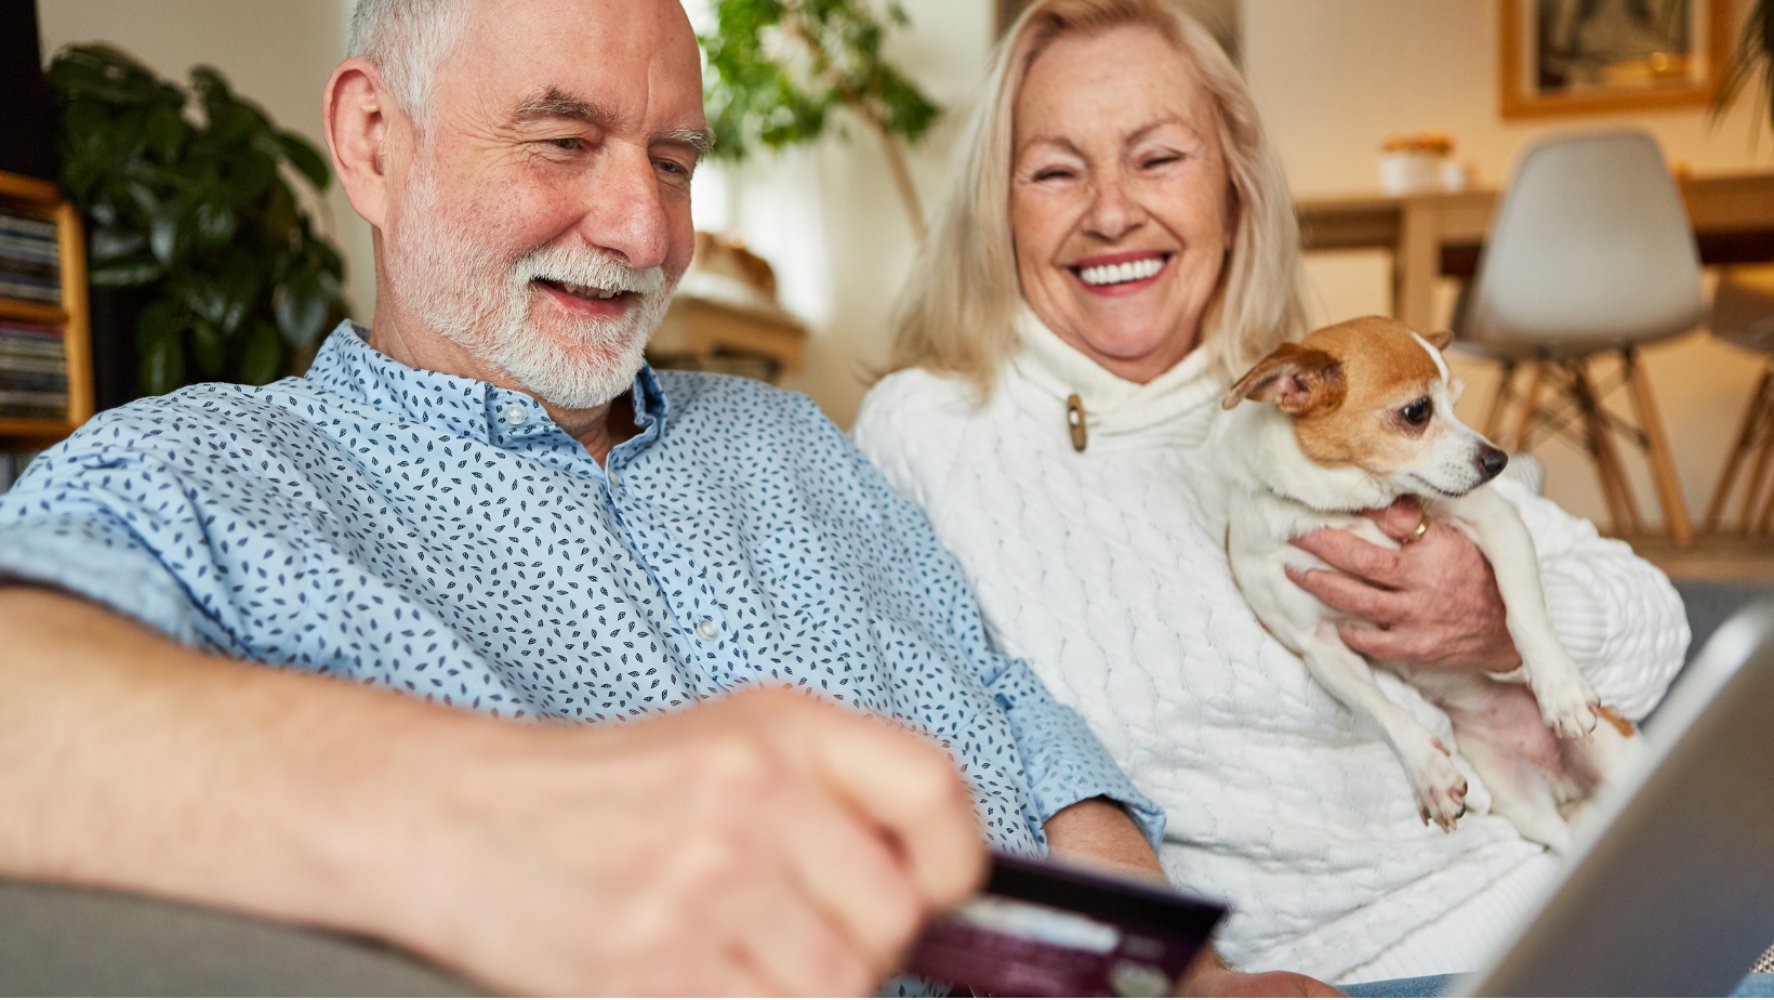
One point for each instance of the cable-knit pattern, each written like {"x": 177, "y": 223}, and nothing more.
{"x": 1106, "y": 571}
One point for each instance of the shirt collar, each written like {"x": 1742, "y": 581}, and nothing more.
{"x": 348, "y": 366}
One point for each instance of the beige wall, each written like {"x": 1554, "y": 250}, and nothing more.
{"x": 1335, "y": 77}
{"x": 277, "y": 54}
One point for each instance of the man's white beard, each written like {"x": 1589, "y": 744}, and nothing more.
{"x": 450, "y": 283}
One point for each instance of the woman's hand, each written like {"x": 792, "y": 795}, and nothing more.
{"x": 1432, "y": 602}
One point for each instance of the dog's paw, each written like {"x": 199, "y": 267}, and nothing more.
{"x": 1568, "y": 707}
{"x": 1441, "y": 789}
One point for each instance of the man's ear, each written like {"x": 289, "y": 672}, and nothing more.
{"x": 1298, "y": 379}
{"x": 1440, "y": 339}
{"x": 356, "y": 113}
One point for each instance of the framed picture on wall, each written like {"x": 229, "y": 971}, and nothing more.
{"x": 1586, "y": 56}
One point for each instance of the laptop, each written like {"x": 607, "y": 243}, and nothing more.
{"x": 1669, "y": 890}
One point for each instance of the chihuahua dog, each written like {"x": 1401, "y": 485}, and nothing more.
{"x": 1351, "y": 418}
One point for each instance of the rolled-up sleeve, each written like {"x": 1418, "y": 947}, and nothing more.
{"x": 1063, "y": 758}
{"x": 60, "y": 526}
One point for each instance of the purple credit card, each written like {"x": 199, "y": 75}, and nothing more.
{"x": 1042, "y": 929}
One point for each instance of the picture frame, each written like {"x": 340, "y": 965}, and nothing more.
{"x": 1576, "y": 57}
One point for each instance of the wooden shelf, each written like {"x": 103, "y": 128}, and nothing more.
{"x": 21, "y": 311}
{"x": 36, "y": 198}
{"x": 34, "y": 431}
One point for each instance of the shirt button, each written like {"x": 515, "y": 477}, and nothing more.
{"x": 708, "y": 630}
{"x": 615, "y": 481}
{"x": 515, "y": 413}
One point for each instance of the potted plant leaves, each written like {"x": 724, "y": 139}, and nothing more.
{"x": 190, "y": 201}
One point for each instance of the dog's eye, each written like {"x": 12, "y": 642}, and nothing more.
{"x": 1417, "y": 412}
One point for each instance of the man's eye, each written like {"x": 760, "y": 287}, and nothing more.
{"x": 1418, "y": 412}
{"x": 568, "y": 144}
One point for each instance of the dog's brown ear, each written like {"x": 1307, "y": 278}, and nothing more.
{"x": 1440, "y": 339}
{"x": 1298, "y": 379}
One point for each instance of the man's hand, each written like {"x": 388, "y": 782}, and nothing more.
{"x": 1432, "y": 602}
{"x": 766, "y": 843}
{"x": 1208, "y": 976}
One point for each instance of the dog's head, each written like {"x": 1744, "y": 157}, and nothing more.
{"x": 1373, "y": 394}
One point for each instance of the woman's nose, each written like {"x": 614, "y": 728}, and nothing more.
{"x": 1113, "y": 211}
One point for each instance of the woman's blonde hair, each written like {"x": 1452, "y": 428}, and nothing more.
{"x": 957, "y": 311}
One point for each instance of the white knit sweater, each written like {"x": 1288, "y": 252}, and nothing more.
{"x": 1106, "y": 571}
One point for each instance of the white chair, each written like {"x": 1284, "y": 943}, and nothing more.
{"x": 1590, "y": 253}
{"x": 1743, "y": 314}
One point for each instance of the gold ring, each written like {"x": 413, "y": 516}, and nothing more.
{"x": 1421, "y": 530}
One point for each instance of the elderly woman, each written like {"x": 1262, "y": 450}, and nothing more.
{"x": 1119, "y": 245}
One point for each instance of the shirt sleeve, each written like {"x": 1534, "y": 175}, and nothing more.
{"x": 67, "y": 525}
{"x": 1065, "y": 761}
{"x": 1617, "y": 615}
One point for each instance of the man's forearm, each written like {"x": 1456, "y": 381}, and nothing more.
{"x": 1099, "y": 832}
{"x": 131, "y": 762}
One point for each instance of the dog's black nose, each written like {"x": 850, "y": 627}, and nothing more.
{"x": 1491, "y": 461}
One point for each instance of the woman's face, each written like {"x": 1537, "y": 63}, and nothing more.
{"x": 1119, "y": 202}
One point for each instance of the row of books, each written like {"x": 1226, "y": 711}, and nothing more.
{"x": 33, "y": 371}
{"x": 30, "y": 259}
{"x": 12, "y": 466}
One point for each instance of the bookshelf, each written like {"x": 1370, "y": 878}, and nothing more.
{"x": 34, "y": 218}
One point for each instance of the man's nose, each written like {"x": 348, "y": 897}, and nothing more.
{"x": 1113, "y": 212}
{"x": 626, "y": 211}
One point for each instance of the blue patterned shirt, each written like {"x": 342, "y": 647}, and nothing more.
{"x": 444, "y": 537}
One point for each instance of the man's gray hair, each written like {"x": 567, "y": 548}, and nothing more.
{"x": 408, "y": 40}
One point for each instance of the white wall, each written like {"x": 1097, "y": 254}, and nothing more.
{"x": 277, "y": 54}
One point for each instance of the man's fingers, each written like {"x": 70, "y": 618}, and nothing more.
{"x": 787, "y": 940}
{"x": 1343, "y": 550}
{"x": 911, "y": 790}
{"x": 858, "y": 881}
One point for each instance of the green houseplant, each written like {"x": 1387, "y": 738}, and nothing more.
{"x": 779, "y": 69}
{"x": 188, "y": 197}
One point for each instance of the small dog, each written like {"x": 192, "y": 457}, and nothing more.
{"x": 1352, "y": 418}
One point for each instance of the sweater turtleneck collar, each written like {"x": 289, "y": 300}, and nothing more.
{"x": 1046, "y": 372}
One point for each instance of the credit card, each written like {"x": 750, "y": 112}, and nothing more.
{"x": 1044, "y": 929}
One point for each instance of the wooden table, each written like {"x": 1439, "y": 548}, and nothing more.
{"x": 1430, "y": 235}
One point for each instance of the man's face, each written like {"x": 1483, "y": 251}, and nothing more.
{"x": 543, "y": 218}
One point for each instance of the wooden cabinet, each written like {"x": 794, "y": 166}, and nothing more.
{"x": 45, "y": 336}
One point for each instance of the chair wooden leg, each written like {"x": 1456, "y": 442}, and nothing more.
{"x": 1530, "y": 401}
{"x": 1622, "y": 516}
{"x": 1746, "y": 435}
{"x": 1669, "y": 486}
{"x": 1758, "y": 476}
{"x": 1493, "y": 420}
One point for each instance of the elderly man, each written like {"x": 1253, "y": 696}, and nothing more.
{"x": 486, "y": 509}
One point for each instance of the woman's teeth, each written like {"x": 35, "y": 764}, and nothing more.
{"x": 1119, "y": 274}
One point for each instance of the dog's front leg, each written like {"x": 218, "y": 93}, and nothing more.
{"x": 1567, "y": 702}
{"x": 1440, "y": 788}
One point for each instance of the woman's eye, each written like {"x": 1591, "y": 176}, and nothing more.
{"x": 1159, "y": 161}
{"x": 1417, "y": 413}
{"x": 1052, "y": 174}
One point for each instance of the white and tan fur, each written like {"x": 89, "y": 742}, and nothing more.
{"x": 1350, "y": 419}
